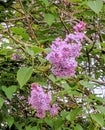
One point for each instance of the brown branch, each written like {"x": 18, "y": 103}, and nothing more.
{"x": 64, "y": 25}
{"x": 15, "y": 19}
{"x": 89, "y": 40}
{"x": 33, "y": 36}
{"x": 99, "y": 82}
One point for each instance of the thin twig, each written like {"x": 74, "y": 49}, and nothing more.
{"x": 33, "y": 36}
{"x": 64, "y": 25}
{"x": 89, "y": 40}
{"x": 97, "y": 81}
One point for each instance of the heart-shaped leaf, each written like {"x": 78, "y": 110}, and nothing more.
{"x": 49, "y": 18}
{"x": 23, "y": 75}
{"x": 9, "y": 91}
{"x": 95, "y": 5}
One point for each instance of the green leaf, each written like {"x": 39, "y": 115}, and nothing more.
{"x": 95, "y": 5}
{"x": 18, "y": 126}
{"x": 58, "y": 123}
{"x": 29, "y": 51}
{"x": 23, "y": 75}
{"x": 20, "y": 31}
{"x": 42, "y": 60}
{"x": 72, "y": 115}
{"x": 64, "y": 114}
{"x": 1, "y": 102}
{"x": 49, "y": 18}
{"x": 10, "y": 121}
{"x": 31, "y": 128}
{"x": 37, "y": 50}
{"x": 78, "y": 127}
{"x": 9, "y": 91}
{"x": 45, "y": 2}
{"x": 49, "y": 122}
{"x": 52, "y": 78}
{"x": 86, "y": 84}
{"x": 101, "y": 109}
{"x": 98, "y": 118}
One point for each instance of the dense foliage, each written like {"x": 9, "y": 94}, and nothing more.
{"x": 52, "y": 61}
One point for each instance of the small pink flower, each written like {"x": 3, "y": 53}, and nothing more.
{"x": 54, "y": 110}
{"x": 81, "y": 26}
{"x": 40, "y": 114}
{"x": 35, "y": 86}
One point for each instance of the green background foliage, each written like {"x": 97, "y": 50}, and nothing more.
{"x": 27, "y": 28}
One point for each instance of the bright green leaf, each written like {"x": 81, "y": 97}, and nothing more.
{"x": 9, "y": 91}
{"x": 101, "y": 109}
{"x": 98, "y": 118}
{"x": 20, "y": 31}
{"x": 95, "y": 5}
{"x": 1, "y": 102}
{"x": 37, "y": 49}
{"x": 49, "y": 18}
{"x": 23, "y": 75}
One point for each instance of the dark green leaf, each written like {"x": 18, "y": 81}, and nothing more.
{"x": 1, "y": 102}
{"x": 10, "y": 121}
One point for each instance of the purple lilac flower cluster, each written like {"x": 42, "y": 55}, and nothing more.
{"x": 64, "y": 52}
{"x": 41, "y": 101}
{"x": 81, "y": 26}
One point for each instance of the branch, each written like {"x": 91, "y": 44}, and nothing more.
{"x": 33, "y": 36}
{"x": 64, "y": 25}
{"x": 99, "y": 82}
{"x": 89, "y": 40}
{"x": 15, "y": 19}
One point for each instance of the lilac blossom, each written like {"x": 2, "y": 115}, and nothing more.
{"x": 63, "y": 55}
{"x": 64, "y": 52}
{"x": 54, "y": 110}
{"x": 40, "y": 101}
{"x": 81, "y": 26}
